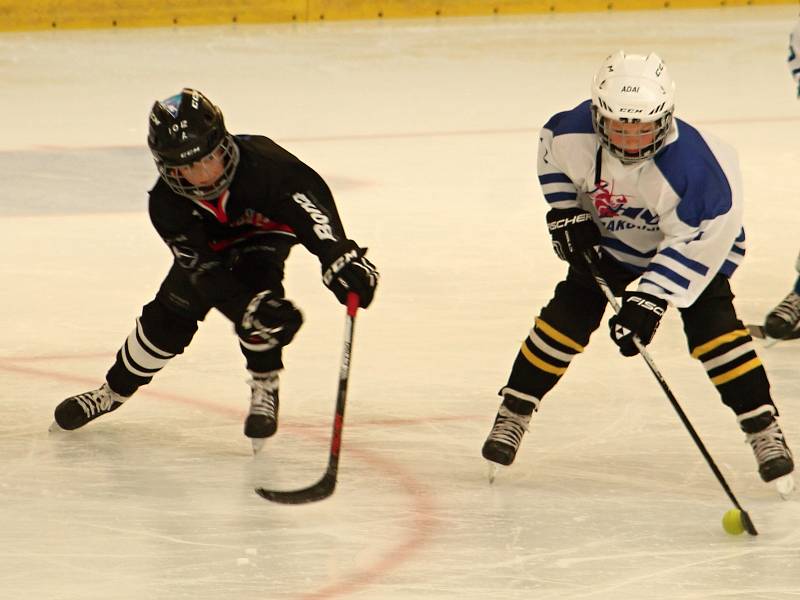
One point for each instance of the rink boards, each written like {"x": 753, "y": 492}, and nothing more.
{"x": 21, "y": 15}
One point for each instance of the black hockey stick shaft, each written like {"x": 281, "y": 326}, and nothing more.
{"x": 603, "y": 285}
{"x": 325, "y": 486}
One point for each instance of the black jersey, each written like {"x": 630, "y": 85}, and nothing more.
{"x": 272, "y": 193}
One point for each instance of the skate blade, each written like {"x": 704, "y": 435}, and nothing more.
{"x": 55, "y": 428}
{"x": 785, "y": 486}
{"x": 494, "y": 469}
{"x": 258, "y": 444}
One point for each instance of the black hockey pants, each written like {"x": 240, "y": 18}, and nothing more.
{"x": 168, "y": 323}
{"x": 714, "y": 334}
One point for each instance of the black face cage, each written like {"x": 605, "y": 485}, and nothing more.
{"x": 662, "y": 126}
{"x": 230, "y": 158}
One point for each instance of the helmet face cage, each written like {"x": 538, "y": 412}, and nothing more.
{"x": 227, "y": 150}
{"x": 624, "y": 153}
{"x": 187, "y": 128}
{"x": 631, "y": 88}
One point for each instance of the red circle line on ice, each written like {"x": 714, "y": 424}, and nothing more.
{"x": 422, "y": 506}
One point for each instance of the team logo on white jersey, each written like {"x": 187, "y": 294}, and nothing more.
{"x": 610, "y": 207}
{"x": 606, "y": 202}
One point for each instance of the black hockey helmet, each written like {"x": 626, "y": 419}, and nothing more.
{"x": 184, "y": 129}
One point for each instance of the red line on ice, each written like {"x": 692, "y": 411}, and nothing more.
{"x": 422, "y": 506}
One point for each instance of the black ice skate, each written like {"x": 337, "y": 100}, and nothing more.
{"x": 77, "y": 411}
{"x": 784, "y": 319}
{"x": 509, "y": 426}
{"x": 262, "y": 420}
{"x": 769, "y": 446}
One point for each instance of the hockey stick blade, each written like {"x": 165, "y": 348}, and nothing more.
{"x": 319, "y": 491}
{"x": 325, "y": 486}
{"x": 747, "y": 523}
{"x": 757, "y": 331}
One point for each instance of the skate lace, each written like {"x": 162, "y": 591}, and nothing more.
{"x": 768, "y": 443}
{"x": 94, "y": 402}
{"x": 509, "y": 427}
{"x": 263, "y": 395}
{"x": 789, "y": 308}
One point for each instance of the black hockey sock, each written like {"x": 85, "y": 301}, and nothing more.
{"x": 518, "y": 405}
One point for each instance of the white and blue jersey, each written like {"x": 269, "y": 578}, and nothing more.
{"x": 675, "y": 219}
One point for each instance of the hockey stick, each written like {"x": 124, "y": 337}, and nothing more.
{"x": 758, "y": 332}
{"x": 747, "y": 523}
{"x": 325, "y": 486}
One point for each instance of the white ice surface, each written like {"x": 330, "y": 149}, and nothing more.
{"x": 427, "y": 133}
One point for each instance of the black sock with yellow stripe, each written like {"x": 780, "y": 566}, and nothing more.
{"x": 542, "y": 359}
{"x": 732, "y": 365}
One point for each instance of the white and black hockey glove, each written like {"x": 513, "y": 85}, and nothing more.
{"x": 269, "y": 320}
{"x": 639, "y": 315}
{"x": 345, "y": 268}
{"x": 573, "y": 232}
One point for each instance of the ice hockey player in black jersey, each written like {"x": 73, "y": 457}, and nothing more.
{"x": 229, "y": 207}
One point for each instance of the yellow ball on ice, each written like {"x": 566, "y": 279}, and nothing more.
{"x": 732, "y": 522}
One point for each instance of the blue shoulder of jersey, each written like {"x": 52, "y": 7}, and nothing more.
{"x": 577, "y": 120}
{"x": 694, "y": 172}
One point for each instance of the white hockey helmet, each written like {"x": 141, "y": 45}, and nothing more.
{"x": 631, "y": 88}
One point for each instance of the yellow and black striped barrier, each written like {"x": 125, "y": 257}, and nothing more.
{"x": 26, "y": 15}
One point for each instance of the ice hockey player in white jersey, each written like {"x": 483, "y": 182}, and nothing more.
{"x": 783, "y": 321}
{"x": 659, "y": 201}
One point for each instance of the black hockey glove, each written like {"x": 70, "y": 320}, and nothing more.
{"x": 269, "y": 319}
{"x": 573, "y": 232}
{"x": 346, "y": 269}
{"x": 638, "y": 316}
